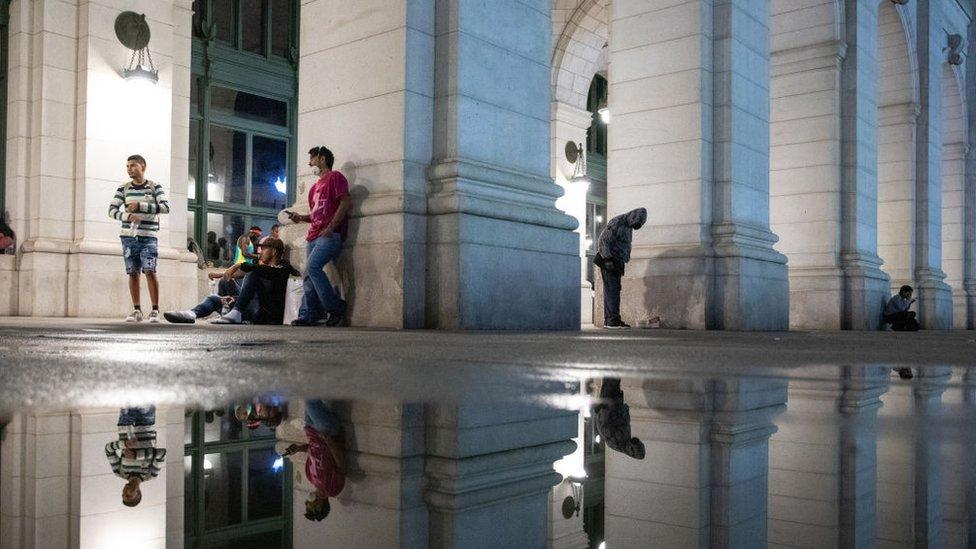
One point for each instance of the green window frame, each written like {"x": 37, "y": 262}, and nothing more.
{"x": 4, "y": 49}
{"x": 225, "y": 66}
{"x": 245, "y": 445}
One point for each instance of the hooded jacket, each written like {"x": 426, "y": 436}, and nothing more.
{"x": 615, "y": 240}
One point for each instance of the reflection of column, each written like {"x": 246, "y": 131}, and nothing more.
{"x": 957, "y": 451}
{"x": 704, "y": 478}
{"x": 383, "y": 492}
{"x": 909, "y": 468}
{"x": 822, "y": 460}
{"x": 489, "y": 472}
{"x": 59, "y": 490}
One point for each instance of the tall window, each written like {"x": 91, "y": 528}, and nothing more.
{"x": 596, "y": 169}
{"x": 237, "y": 490}
{"x": 242, "y": 120}
{"x": 4, "y": 48}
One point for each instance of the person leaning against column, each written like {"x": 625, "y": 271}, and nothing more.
{"x": 328, "y": 203}
{"x": 613, "y": 252}
{"x": 137, "y": 204}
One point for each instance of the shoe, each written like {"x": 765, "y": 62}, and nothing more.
{"x": 233, "y": 317}
{"x": 135, "y": 316}
{"x": 905, "y": 373}
{"x": 303, "y": 322}
{"x": 154, "y": 316}
{"x": 335, "y": 319}
{"x": 616, "y": 325}
{"x": 180, "y": 317}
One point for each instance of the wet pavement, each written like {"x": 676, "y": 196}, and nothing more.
{"x": 660, "y": 438}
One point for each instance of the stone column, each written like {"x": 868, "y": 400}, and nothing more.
{"x": 59, "y": 491}
{"x": 489, "y": 472}
{"x": 690, "y": 142}
{"x": 384, "y": 489}
{"x": 805, "y": 178}
{"x": 957, "y": 447}
{"x": 500, "y": 255}
{"x": 703, "y": 481}
{"x": 366, "y": 92}
{"x": 569, "y": 125}
{"x": 954, "y": 227}
{"x": 865, "y": 285}
{"x": 934, "y": 295}
{"x": 823, "y": 462}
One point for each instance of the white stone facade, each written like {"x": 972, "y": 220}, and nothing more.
{"x": 798, "y": 160}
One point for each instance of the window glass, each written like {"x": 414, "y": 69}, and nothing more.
{"x": 264, "y": 484}
{"x": 223, "y": 17}
{"x": 194, "y": 160}
{"x": 194, "y": 96}
{"x": 263, "y": 540}
{"x": 252, "y": 25}
{"x": 228, "y": 162}
{"x": 197, "y": 16}
{"x": 189, "y": 510}
{"x": 222, "y": 481}
{"x": 269, "y": 172}
{"x": 265, "y": 223}
{"x": 227, "y": 228}
{"x": 281, "y": 18}
{"x": 246, "y": 105}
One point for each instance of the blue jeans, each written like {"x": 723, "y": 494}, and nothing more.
{"x": 140, "y": 416}
{"x": 248, "y": 300}
{"x": 212, "y": 304}
{"x": 320, "y": 297}
{"x": 320, "y": 417}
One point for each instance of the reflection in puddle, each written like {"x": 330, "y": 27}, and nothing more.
{"x": 836, "y": 457}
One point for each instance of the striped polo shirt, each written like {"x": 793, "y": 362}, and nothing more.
{"x": 146, "y": 459}
{"x": 152, "y": 202}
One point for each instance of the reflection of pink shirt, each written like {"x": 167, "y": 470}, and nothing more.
{"x": 323, "y": 203}
{"x": 320, "y": 467}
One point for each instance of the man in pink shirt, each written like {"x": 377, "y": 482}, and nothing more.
{"x": 328, "y": 203}
{"x": 325, "y": 466}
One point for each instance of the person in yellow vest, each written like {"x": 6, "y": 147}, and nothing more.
{"x": 246, "y": 246}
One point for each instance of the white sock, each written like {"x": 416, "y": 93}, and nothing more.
{"x": 234, "y": 315}
{"x": 190, "y": 314}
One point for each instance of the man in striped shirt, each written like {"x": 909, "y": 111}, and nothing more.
{"x": 138, "y": 204}
{"x": 134, "y": 456}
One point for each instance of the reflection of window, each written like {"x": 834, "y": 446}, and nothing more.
{"x": 237, "y": 490}
{"x": 3, "y": 96}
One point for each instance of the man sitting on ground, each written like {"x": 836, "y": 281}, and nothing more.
{"x": 896, "y": 312}
{"x": 262, "y": 296}
{"x": 227, "y": 290}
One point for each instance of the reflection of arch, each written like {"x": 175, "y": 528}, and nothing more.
{"x": 578, "y": 48}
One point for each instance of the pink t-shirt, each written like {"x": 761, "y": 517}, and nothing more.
{"x": 323, "y": 203}
{"x": 320, "y": 467}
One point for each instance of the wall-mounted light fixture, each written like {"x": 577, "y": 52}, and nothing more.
{"x": 572, "y": 504}
{"x": 900, "y": 2}
{"x": 576, "y": 156}
{"x": 132, "y": 30}
{"x": 604, "y": 111}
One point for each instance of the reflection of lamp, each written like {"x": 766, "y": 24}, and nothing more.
{"x": 132, "y": 30}
{"x": 571, "y": 505}
{"x": 575, "y": 155}
{"x": 278, "y": 464}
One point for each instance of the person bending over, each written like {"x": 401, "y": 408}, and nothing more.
{"x": 613, "y": 252}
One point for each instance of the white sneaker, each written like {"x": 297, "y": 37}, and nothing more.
{"x": 135, "y": 316}
{"x": 154, "y": 316}
{"x": 233, "y": 317}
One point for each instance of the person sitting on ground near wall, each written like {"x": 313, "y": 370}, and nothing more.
{"x": 261, "y": 299}
{"x": 264, "y": 410}
{"x": 228, "y": 288}
{"x": 613, "y": 253}
{"x": 134, "y": 456}
{"x": 247, "y": 246}
{"x": 896, "y": 312}
{"x": 325, "y": 467}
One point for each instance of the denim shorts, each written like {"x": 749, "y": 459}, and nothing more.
{"x": 140, "y": 254}
{"x": 138, "y": 417}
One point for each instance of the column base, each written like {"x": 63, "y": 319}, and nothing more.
{"x": 866, "y": 291}
{"x": 970, "y": 286}
{"x": 934, "y": 300}
{"x": 42, "y": 279}
{"x": 816, "y": 298}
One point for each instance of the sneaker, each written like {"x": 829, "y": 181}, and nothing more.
{"x": 335, "y": 319}
{"x": 616, "y": 325}
{"x": 303, "y": 322}
{"x": 233, "y": 317}
{"x": 905, "y": 373}
{"x": 134, "y": 316}
{"x": 154, "y": 316}
{"x": 180, "y": 317}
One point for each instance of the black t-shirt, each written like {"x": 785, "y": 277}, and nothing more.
{"x": 273, "y": 284}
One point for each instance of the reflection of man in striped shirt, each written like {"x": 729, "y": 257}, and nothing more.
{"x": 134, "y": 456}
